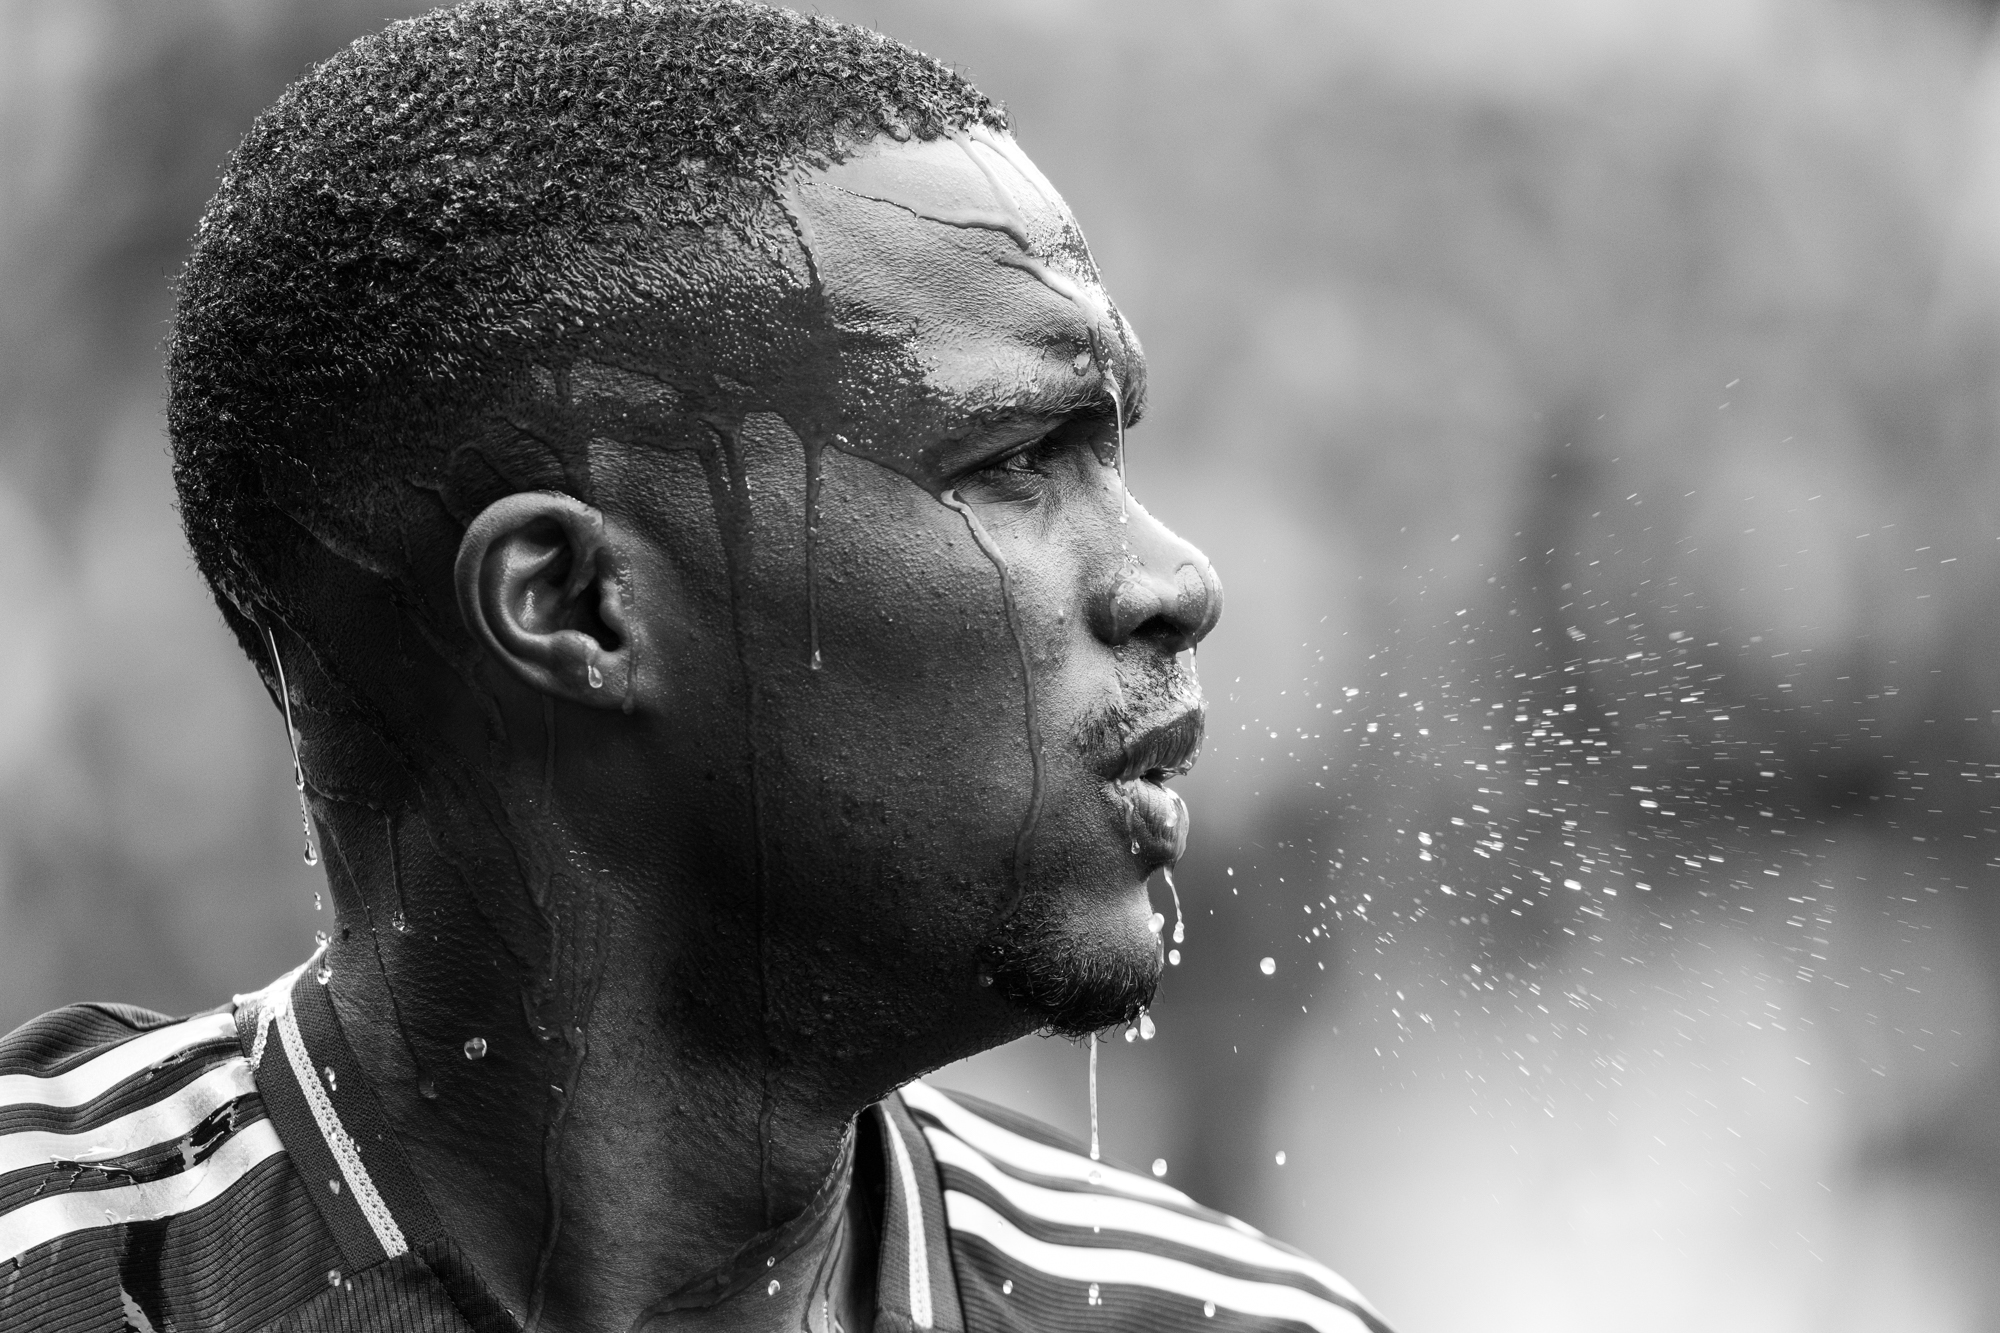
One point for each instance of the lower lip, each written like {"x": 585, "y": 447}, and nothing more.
{"x": 1156, "y": 820}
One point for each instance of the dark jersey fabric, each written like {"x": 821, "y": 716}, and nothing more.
{"x": 233, "y": 1173}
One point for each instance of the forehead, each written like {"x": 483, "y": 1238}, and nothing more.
{"x": 962, "y": 249}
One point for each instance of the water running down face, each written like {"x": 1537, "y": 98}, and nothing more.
{"x": 967, "y": 245}
{"x": 902, "y": 611}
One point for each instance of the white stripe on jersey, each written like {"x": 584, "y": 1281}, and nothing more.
{"x": 42, "y": 1220}
{"x": 1038, "y": 1158}
{"x": 1107, "y": 1212}
{"x": 159, "y": 1122}
{"x": 93, "y": 1078}
{"x": 913, "y": 1224}
{"x": 345, "y": 1152}
{"x": 1077, "y": 1263}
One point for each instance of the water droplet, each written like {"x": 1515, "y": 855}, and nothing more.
{"x": 321, "y": 939}
{"x": 772, "y": 1289}
{"x": 1007, "y": 1287}
{"x": 1146, "y": 1028}
{"x": 400, "y": 924}
{"x": 318, "y": 904}
{"x": 1095, "y": 1177}
{"x": 1208, "y": 1308}
{"x": 333, "y": 1185}
{"x": 1174, "y": 957}
{"x": 427, "y": 1088}
{"x": 333, "y": 1277}
{"x": 1158, "y": 921}
{"x": 1131, "y": 1034}
{"x": 593, "y": 675}
{"x": 332, "y": 1080}
{"x": 1159, "y": 1166}
{"x": 986, "y": 978}
{"x": 323, "y": 975}
{"x": 475, "y": 1048}
{"x": 1281, "y": 1157}
{"x": 1095, "y": 1299}
{"x": 1267, "y": 965}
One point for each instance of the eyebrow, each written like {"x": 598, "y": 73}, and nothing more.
{"x": 1054, "y": 399}
{"x": 1056, "y": 395}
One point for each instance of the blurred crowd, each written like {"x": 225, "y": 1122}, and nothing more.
{"x": 1591, "y": 406}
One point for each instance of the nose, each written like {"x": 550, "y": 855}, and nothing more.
{"x": 1165, "y": 592}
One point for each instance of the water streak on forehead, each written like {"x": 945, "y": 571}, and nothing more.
{"x": 980, "y": 181}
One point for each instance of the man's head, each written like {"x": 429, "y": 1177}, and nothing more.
{"x": 678, "y": 447}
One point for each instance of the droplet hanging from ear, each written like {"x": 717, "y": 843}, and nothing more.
{"x": 292, "y": 735}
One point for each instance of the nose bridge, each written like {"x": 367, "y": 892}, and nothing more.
{"x": 1164, "y": 586}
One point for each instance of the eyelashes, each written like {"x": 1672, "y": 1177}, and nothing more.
{"x": 1043, "y": 468}
{"x": 1036, "y": 458}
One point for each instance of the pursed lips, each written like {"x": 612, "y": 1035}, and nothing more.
{"x": 1165, "y": 750}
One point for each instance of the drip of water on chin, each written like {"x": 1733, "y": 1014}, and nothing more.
{"x": 1180, "y": 923}
{"x": 593, "y": 675}
{"x": 1096, "y": 1176}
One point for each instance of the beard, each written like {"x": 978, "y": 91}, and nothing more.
{"x": 1074, "y": 981}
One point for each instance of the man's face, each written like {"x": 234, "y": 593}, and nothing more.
{"x": 955, "y": 653}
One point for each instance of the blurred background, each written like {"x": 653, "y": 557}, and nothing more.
{"x": 1591, "y": 405}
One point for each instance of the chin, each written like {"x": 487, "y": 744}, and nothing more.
{"x": 1072, "y": 966}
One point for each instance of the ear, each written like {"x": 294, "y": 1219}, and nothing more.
{"x": 539, "y": 588}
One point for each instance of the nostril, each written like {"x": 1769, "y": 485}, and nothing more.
{"x": 1170, "y": 614}
{"x": 1164, "y": 631}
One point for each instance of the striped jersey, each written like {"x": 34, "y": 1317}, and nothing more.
{"x": 233, "y": 1173}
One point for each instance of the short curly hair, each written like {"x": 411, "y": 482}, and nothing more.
{"x": 398, "y": 236}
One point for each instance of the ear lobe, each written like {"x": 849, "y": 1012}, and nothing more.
{"x": 538, "y": 587}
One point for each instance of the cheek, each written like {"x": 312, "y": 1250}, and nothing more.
{"x": 903, "y": 759}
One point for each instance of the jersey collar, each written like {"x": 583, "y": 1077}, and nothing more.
{"x": 332, "y": 1125}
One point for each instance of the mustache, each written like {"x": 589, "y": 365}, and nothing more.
{"x": 1153, "y": 722}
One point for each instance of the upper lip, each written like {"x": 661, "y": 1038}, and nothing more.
{"x": 1164, "y": 750}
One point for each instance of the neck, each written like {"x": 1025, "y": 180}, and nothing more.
{"x": 600, "y": 1134}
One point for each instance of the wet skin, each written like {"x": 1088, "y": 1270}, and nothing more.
{"x": 721, "y": 895}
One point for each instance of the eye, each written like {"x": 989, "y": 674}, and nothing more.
{"x": 1034, "y": 459}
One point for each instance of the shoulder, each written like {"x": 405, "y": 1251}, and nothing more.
{"x": 1044, "y": 1237}
{"x": 134, "y": 1151}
